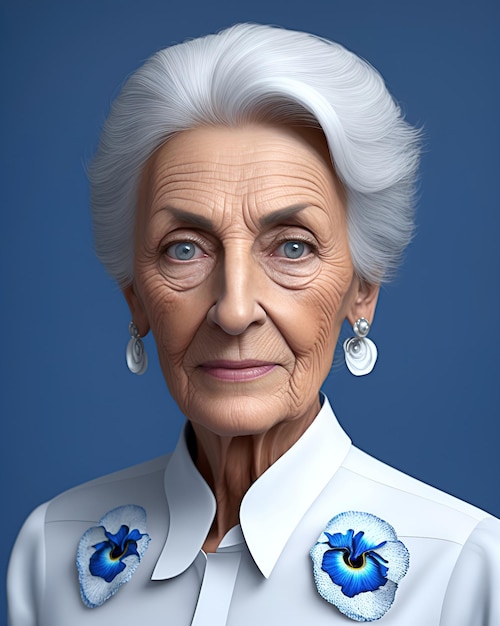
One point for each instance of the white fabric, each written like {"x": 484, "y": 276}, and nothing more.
{"x": 261, "y": 573}
{"x": 217, "y": 588}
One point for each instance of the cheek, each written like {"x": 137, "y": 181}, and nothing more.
{"x": 316, "y": 317}
{"x": 174, "y": 319}
{"x": 315, "y": 326}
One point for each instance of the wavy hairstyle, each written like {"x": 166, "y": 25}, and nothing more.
{"x": 249, "y": 73}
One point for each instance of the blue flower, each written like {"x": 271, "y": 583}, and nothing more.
{"x": 110, "y": 553}
{"x": 107, "y": 560}
{"x": 357, "y": 564}
{"x": 353, "y": 563}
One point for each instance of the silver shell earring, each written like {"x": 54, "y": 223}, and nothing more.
{"x": 137, "y": 359}
{"x": 360, "y": 352}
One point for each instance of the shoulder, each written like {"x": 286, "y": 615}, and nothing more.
{"x": 53, "y": 531}
{"x": 379, "y": 472}
{"x": 472, "y": 596}
{"x": 89, "y": 501}
{"x": 454, "y": 547}
{"x": 417, "y": 509}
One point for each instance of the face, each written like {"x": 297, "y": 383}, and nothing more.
{"x": 243, "y": 273}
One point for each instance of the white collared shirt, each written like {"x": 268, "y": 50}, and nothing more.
{"x": 261, "y": 572}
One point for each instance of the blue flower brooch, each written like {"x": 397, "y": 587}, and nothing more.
{"x": 358, "y": 562}
{"x": 109, "y": 554}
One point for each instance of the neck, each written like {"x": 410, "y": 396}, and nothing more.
{"x": 231, "y": 464}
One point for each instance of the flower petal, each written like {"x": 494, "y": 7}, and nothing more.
{"x": 357, "y": 563}
{"x": 109, "y": 554}
{"x": 119, "y": 537}
{"x": 351, "y": 580}
{"x": 101, "y": 564}
{"x": 356, "y": 544}
{"x": 375, "y": 529}
{"x": 398, "y": 559}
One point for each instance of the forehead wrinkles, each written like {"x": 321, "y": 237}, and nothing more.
{"x": 266, "y": 184}
{"x": 237, "y": 176}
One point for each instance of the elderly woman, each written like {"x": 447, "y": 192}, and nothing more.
{"x": 251, "y": 191}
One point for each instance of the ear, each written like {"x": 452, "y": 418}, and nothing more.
{"x": 137, "y": 310}
{"x": 365, "y": 302}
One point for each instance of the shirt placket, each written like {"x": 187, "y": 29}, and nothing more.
{"x": 217, "y": 588}
{"x": 219, "y": 578}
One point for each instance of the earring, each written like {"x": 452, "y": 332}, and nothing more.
{"x": 360, "y": 352}
{"x": 137, "y": 359}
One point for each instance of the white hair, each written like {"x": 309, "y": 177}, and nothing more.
{"x": 247, "y": 73}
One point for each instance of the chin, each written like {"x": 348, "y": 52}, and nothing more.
{"x": 238, "y": 416}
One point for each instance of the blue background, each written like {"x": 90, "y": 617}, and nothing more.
{"x": 71, "y": 411}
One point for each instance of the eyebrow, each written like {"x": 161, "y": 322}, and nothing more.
{"x": 282, "y": 214}
{"x": 191, "y": 218}
{"x": 266, "y": 220}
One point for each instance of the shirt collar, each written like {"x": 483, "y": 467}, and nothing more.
{"x": 271, "y": 508}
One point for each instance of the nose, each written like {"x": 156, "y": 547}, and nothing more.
{"x": 238, "y": 304}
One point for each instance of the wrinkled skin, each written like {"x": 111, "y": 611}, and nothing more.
{"x": 243, "y": 273}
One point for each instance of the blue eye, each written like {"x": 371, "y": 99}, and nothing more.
{"x": 183, "y": 251}
{"x": 294, "y": 249}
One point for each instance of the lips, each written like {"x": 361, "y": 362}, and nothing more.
{"x": 237, "y": 371}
